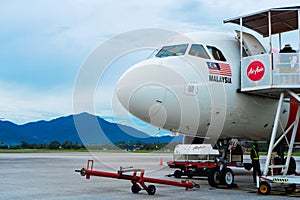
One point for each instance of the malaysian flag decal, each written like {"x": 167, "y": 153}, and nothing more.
{"x": 219, "y": 69}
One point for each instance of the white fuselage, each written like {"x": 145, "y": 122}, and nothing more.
{"x": 184, "y": 93}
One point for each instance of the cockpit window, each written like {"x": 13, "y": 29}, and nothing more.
{"x": 174, "y": 50}
{"x": 199, "y": 51}
{"x": 216, "y": 53}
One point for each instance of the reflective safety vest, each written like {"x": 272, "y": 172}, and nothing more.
{"x": 256, "y": 156}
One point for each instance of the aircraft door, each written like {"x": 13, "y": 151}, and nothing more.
{"x": 251, "y": 45}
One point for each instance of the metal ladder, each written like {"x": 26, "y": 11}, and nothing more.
{"x": 273, "y": 143}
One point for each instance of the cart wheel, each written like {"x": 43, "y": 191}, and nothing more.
{"x": 177, "y": 174}
{"x": 190, "y": 173}
{"x": 292, "y": 166}
{"x": 290, "y": 189}
{"x": 214, "y": 177}
{"x": 151, "y": 189}
{"x": 264, "y": 188}
{"x": 227, "y": 177}
{"x": 135, "y": 188}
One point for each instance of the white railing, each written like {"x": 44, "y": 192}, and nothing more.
{"x": 286, "y": 69}
{"x": 267, "y": 71}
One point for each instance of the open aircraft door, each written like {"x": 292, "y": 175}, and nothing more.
{"x": 250, "y": 44}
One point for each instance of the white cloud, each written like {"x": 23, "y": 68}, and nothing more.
{"x": 58, "y": 35}
{"x": 21, "y": 105}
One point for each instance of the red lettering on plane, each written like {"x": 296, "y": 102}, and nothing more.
{"x": 198, "y": 147}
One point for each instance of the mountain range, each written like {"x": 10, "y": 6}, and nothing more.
{"x": 83, "y": 128}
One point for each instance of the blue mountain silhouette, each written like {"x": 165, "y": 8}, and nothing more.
{"x": 83, "y": 128}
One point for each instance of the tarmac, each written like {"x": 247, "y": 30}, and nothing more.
{"x": 52, "y": 176}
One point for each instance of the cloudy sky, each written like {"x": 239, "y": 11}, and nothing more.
{"x": 43, "y": 43}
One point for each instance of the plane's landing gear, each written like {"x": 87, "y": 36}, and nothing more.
{"x": 218, "y": 177}
{"x": 227, "y": 177}
{"x": 214, "y": 177}
{"x": 231, "y": 152}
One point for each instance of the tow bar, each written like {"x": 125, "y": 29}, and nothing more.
{"x": 137, "y": 178}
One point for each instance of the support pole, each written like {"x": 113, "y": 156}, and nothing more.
{"x": 298, "y": 32}
{"x": 241, "y": 39}
{"x": 280, "y": 46}
{"x": 270, "y": 30}
{"x": 288, "y": 158}
{"x": 273, "y": 136}
{"x": 293, "y": 94}
{"x": 292, "y": 140}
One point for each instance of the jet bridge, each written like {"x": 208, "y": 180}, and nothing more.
{"x": 273, "y": 74}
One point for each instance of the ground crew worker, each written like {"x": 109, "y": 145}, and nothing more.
{"x": 255, "y": 161}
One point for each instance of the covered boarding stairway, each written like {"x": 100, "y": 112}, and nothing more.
{"x": 268, "y": 73}
{"x": 273, "y": 74}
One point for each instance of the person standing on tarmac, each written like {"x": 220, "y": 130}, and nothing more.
{"x": 254, "y": 155}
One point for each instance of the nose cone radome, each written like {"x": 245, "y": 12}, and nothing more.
{"x": 143, "y": 91}
{"x": 141, "y": 88}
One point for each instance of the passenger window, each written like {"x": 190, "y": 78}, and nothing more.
{"x": 174, "y": 50}
{"x": 199, "y": 51}
{"x": 216, "y": 53}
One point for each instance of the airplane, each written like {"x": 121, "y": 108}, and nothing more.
{"x": 217, "y": 88}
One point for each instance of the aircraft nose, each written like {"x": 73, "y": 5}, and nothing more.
{"x": 142, "y": 90}
{"x": 158, "y": 93}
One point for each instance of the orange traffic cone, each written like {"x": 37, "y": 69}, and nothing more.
{"x": 160, "y": 161}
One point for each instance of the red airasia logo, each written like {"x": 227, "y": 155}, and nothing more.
{"x": 255, "y": 71}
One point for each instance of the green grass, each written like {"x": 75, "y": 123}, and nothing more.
{"x": 39, "y": 151}
{"x": 72, "y": 150}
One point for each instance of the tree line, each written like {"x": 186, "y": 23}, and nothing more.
{"x": 56, "y": 145}
{"x": 133, "y": 146}
{"x": 52, "y": 145}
